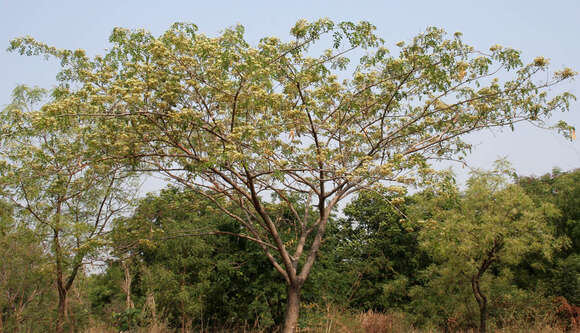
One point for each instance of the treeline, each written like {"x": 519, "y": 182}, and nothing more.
{"x": 503, "y": 253}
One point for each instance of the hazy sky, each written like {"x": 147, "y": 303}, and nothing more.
{"x": 548, "y": 28}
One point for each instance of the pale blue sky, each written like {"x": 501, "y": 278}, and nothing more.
{"x": 548, "y": 28}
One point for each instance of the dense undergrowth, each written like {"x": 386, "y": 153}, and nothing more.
{"x": 376, "y": 273}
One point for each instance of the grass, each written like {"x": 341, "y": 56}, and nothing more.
{"x": 334, "y": 319}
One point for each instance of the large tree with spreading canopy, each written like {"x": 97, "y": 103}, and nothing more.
{"x": 294, "y": 123}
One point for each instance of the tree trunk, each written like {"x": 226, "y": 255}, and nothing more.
{"x": 62, "y": 315}
{"x": 151, "y": 305}
{"x": 481, "y": 301}
{"x": 126, "y": 286}
{"x": 479, "y": 296}
{"x": 483, "y": 317}
{"x": 292, "y": 309}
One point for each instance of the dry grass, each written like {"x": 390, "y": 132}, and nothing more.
{"x": 376, "y": 322}
{"x": 154, "y": 328}
{"x": 333, "y": 319}
{"x": 340, "y": 321}
{"x": 336, "y": 319}
{"x": 370, "y": 324}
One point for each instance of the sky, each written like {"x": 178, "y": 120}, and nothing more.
{"x": 547, "y": 28}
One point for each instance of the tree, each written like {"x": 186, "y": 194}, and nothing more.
{"x": 381, "y": 246}
{"x": 24, "y": 277}
{"x": 228, "y": 119}
{"x": 187, "y": 256}
{"x": 562, "y": 189}
{"x": 47, "y": 173}
{"x": 492, "y": 222}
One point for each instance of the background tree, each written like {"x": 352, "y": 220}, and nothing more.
{"x": 492, "y": 222}
{"x": 381, "y": 247}
{"x": 228, "y": 119}
{"x": 188, "y": 257}
{"x": 562, "y": 276}
{"x": 48, "y": 173}
{"x": 25, "y": 277}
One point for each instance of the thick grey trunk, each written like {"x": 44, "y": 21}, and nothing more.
{"x": 292, "y": 310}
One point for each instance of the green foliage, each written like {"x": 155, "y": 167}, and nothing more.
{"x": 490, "y": 210}
{"x": 381, "y": 248}
{"x": 25, "y": 277}
{"x": 104, "y": 291}
{"x": 562, "y": 189}
{"x": 127, "y": 320}
{"x": 192, "y": 274}
{"x": 560, "y": 277}
{"x": 564, "y": 278}
{"x": 442, "y": 294}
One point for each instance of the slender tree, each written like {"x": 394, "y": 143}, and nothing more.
{"x": 492, "y": 222}
{"x": 229, "y": 119}
{"x": 48, "y": 174}
{"x": 24, "y": 274}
